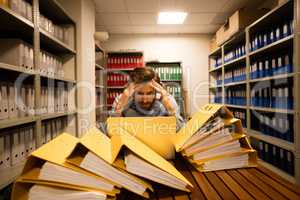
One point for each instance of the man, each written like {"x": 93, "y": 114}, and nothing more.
{"x": 139, "y": 99}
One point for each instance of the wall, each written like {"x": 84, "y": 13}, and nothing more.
{"x": 83, "y": 13}
{"x": 191, "y": 49}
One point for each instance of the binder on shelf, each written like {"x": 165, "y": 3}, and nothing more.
{"x": 13, "y": 108}
{"x": 7, "y": 150}
{"x": 22, "y": 143}
{"x": 29, "y": 11}
{"x": 2, "y": 151}
{"x": 22, "y": 101}
{"x": 4, "y": 106}
{"x": 43, "y": 133}
{"x": 48, "y": 132}
{"x": 15, "y": 147}
{"x": 27, "y": 141}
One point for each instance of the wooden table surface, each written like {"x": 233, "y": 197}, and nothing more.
{"x": 250, "y": 183}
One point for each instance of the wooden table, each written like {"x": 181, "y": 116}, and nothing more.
{"x": 252, "y": 183}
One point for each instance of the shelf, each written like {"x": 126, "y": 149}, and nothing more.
{"x": 56, "y": 46}
{"x": 235, "y": 106}
{"x": 14, "y": 25}
{"x": 281, "y": 76}
{"x": 6, "y": 123}
{"x": 59, "y": 79}
{"x": 237, "y": 38}
{"x": 284, "y": 42}
{"x": 99, "y": 66}
{"x": 234, "y": 83}
{"x": 126, "y": 52}
{"x": 274, "y": 15}
{"x": 216, "y": 69}
{"x": 276, "y": 141}
{"x": 215, "y": 52}
{"x": 235, "y": 60}
{"x": 9, "y": 175}
{"x": 286, "y": 111}
{"x": 215, "y": 87}
{"x": 277, "y": 171}
{"x": 16, "y": 69}
{"x": 56, "y": 115}
{"x": 99, "y": 86}
{"x": 120, "y": 69}
{"x": 171, "y": 80}
{"x": 53, "y": 10}
{"x": 116, "y": 87}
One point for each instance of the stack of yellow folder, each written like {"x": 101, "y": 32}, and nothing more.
{"x": 97, "y": 166}
{"x": 133, "y": 155}
{"x": 212, "y": 140}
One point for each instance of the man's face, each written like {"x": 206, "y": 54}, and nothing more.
{"x": 145, "y": 95}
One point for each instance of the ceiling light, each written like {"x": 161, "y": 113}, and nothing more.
{"x": 171, "y": 17}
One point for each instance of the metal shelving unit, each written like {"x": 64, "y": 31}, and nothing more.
{"x": 290, "y": 42}
{"x": 171, "y": 82}
{"x": 16, "y": 26}
{"x": 100, "y": 87}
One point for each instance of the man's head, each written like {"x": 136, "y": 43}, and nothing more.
{"x": 144, "y": 94}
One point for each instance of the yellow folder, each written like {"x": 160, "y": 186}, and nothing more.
{"x": 197, "y": 121}
{"x": 124, "y": 139}
{"x": 56, "y": 152}
{"x": 252, "y": 161}
{"x": 245, "y": 147}
{"x": 153, "y": 131}
{"x": 227, "y": 122}
{"x": 98, "y": 143}
{"x": 21, "y": 189}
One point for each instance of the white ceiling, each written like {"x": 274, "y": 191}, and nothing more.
{"x": 140, "y": 16}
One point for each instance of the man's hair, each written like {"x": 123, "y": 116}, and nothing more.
{"x": 142, "y": 75}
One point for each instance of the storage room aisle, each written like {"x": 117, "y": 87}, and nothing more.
{"x": 66, "y": 67}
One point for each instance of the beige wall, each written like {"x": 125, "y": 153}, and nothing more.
{"x": 192, "y": 50}
{"x": 83, "y": 13}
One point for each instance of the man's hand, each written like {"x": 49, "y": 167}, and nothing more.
{"x": 165, "y": 97}
{"x": 125, "y": 96}
{"x": 159, "y": 89}
{"x": 128, "y": 92}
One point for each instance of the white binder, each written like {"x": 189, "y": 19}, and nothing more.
{"x": 28, "y": 11}
{"x": 59, "y": 126}
{"x": 32, "y": 139}
{"x": 22, "y": 146}
{"x": 13, "y": 107}
{"x": 22, "y": 105}
{"x": 8, "y": 151}
{"x": 15, "y": 147}
{"x": 48, "y": 132}
{"x": 26, "y": 56}
{"x": 4, "y": 101}
{"x": 27, "y": 141}
{"x": 54, "y": 129}
{"x": 2, "y": 152}
{"x": 43, "y": 133}
{"x": 31, "y": 59}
